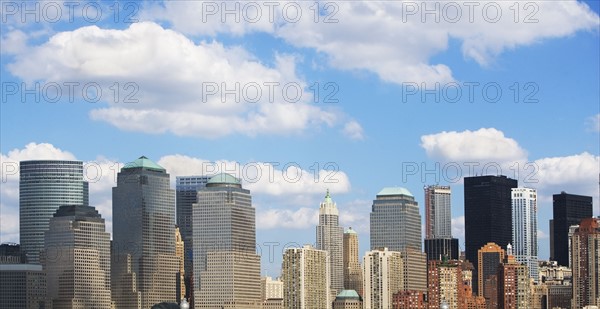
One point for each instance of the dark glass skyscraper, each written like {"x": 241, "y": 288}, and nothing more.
{"x": 44, "y": 186}
{"x": 145, "y": 265}
{"x": 488, "y": 214}
{"x": 568, "y": 209}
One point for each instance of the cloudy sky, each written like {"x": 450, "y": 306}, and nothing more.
{"x": 300, "y": 97}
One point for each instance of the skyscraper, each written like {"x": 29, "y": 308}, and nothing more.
{"x": 76, "y": 258}
{"x": 22, "y": 286}
{"x": 445, "y": 284}
{"x": 438, "y": 228}
{"x": 524, "y": 225}
{"x": 488, "y": 214}
{"x": 438, "y": 217}
{"x": 305, "y": 275}
{"x": 568, "y": 209}
{"x": 226, "y": 266}
{"x": 330, "y": 239}
{"x": 585, "y": 252}
{"x": 514, "y": 290}
{"x": 383, "y": 273}
{"x": 395, "y": 220}
{"x": 145, "y": 264}
{"x": 179, "y": 252}
{"x": 45, "y": 185}
{"x": 490, "y": 257}
{"x": 352, "y": 270}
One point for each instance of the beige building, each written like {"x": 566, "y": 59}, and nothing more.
{"x": 585, "y": 257}
{"x": 305, "y": 275}
{"x": 180, "y": 253}
{"x": 415, "y": 270}
{"x": 76, "y": 258}
{"x": 514, "y": 290}
{"x": 383, "y": 273}
{"x": 352, "y": 270}
{"x": 270, "y": 288}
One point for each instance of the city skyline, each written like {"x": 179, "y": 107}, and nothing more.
{"x": 369, "y": 116}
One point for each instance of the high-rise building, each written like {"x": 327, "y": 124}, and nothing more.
{"x": 330, "y": 238}
{"x": 22, "y": 286}
{"x": 409, "y": 300}
{"x": 438, "y": 248}
{"x": 352, "y": 270}
{"x": 76, "y": 258}
{"x": 445, "y": 284}
{"x": 585, "y": 255}
{"x": 226, "y": 266}
{"x": 383, "y": 273}
{"x": 11, "y": 253}
{"x": 438, "y": 217}
{"x": 305, "y": 275}
{"x": 524, "y": 226}
{"x": 270, "y": 288}
{"x": 347, "y": 299}
{"x": 45, "y": 185}
{"x": 145, "y": 264}
{"x": 395, "y": 220}
{"x": 179, "y": 252}
{"x": 415, "y": 270}
{"x": 568, "y": 209}
{"x": 514, "y": 291}
{"x": 488, "y": 214}
{"x": 186, "y": 194}
{"x": 489, "y": 258}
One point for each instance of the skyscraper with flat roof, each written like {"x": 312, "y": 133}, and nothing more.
{"x": 568, "y": 209}
{"x": 330, "y": 238}
{"x": 395, "y": 220}
{"x": 488, "y": 214}
{"x": 305, "y": 276}
{"x": 226, "y": 266}
{"x": 145, "y": 264}
{"x": 438, "y": 216}
{"x": 45, "y": 185}
{"x": 524, "y": 225}
{"x": 383, "y": 272}
{"x": 76, "y": 258}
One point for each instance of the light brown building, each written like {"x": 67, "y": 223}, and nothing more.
{"x": 352, "y": 270}
{"x": 513, "y": 285}
{"x": 585, "y": 258}
{"x": 415, "y": 270}
{"x": 489, "y": 257}
{"x": 445, "y": 284}
{"x": 305, "y": 276}
{"x": 179, "y": 252}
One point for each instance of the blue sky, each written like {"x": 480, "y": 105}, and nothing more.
{"x": 371, "y": 126}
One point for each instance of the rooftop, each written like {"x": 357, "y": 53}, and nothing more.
{"x": 348, "y": 294}
{"x": 224, "y": 178}
{"x": 143, "y": 162}
{"x": 395, "y": 191}
{"x": 350, "y": 231}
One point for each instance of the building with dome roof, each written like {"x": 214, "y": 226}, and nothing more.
{"x": 347, "y": 299}
{"x": 395, "y": 220}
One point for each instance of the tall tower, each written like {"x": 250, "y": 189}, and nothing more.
{"x": 585, "y": 253}
{"x": 383, "y": 273}
{"x": 488, "y": 214}
{"x": 438, "y": 224}
{"x": 330, "y": 239}
{"x": 514, "y": 289}
{"x": 352, "y": 270}
{"x": 490, "y": 257}
{"x": 226, "y": 266}
{"x": 568, "y": 209}
{"x": 145, "y": 264}
{"x": 76, "y": 258}
{"x": 179, "y": 252}
{"x": 524, "y": 225}
{"x": 305, "y": 275}
{"x": 45, "y": 185}
{"x": 395, "y": 220}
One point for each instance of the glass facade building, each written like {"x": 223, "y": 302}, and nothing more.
{"x": 395, "y": 220}
{"x": 44, "y": 186}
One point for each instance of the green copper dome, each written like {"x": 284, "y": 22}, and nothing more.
{"x": 143, "y": 162}
{"x": 395, "y": 191}
{"x": 223, "y": 178}
{"x": 348, "y": 294}
{"x": 350, "y": 231}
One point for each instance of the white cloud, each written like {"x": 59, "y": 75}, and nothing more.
{"x": 13, "y": 42}
{"x": 593, "y": 123}
{"x": 485, "y": 144}
{"x": 458, "y": 227}
{"x": 285, "y": 218}
{"x": 354, "y": 130}
{"x": 179, "y": 86}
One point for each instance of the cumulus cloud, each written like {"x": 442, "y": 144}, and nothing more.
{"x": 13, "y": 42}
{"x": 578, "y": 174}
{"x": 167, "y": 83}
{"x": 285, "y": 218}
{"x": 354, "y": 130}
{"x": 458, "y": 227}
{"x": 593, "y": 123}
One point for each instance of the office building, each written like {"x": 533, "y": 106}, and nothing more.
{"x": 76, "y": 258}
{"x": 383, "y": 273}
{"x": 330, "y": 239}
{"x": 438, "y": 248}
{"x": 145, "y": 265}
{"x": 270, "y": 288}
{"x": 489, "y": 258}
{"x": 179, "y": 252}
{"x": 226, "y": 266}
{"x": 22, "y": 286}
{"x": 585, "y": 255}
{"x": 488, "y": 214}
{"x": 414, "y": 263}
{"x": 305, "y": 276}
{"x": 438, "y": 217}
{"x": 395, "y": 220}
{"x": 45, "y": 185}
{"x": 524, "y": 226}
{"x": 514, "y": 290}
{"x": 568, "y": 209}
{"x": 409, "y": 300}
{"x": 352, "y": 270}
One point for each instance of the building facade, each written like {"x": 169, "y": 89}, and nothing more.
{"x": 45, "y": 185}
{"x": 330, "y": 238}
{"x": 305, "y": 275}
{"x": 489, "y": 258}
{"x": 438, "y": 248}
{"x": 226, "y": 266}
{"x": 347, "y": 299}
{"x": 524, "y": 225}
{"x": 76, "y": 258}
{"x": 438, "y": 216}
{"x": 585, "y": 255}
{"x": 514, "y": 291}
{"x": 352, "y": 270}
{"x": 568, "y": 209}
{"x": 488, "y": 214}
{"x": 180, "y": 253}
{"x": 383, "y": 273}
{"x": 145, "y": 264}
{"x": 23, "y": 286}
{"x": 395, "y": 220}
